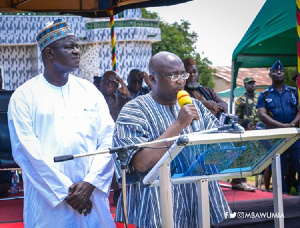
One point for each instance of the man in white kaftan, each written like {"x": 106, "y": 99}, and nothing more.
{"x": 47, "y": 120}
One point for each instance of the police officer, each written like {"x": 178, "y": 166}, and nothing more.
{"x": 277, "y": 107}
{"x": 245, "y": 105}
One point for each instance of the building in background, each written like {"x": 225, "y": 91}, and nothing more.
{"x": 222, "y": 80}
{"x": 20, "y": 58}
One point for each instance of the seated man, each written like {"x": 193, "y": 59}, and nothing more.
{"x": 157, "y": 115}
{"x": 209, "y": 98}
{"x": 135, "y": 84}
{"x": 108, "y": 87}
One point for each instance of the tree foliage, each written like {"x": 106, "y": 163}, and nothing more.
{"x": 289, "y": 74}
{"x": 178, "y": 39}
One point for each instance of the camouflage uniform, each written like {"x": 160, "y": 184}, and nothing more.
{"x": 240, "y": 108}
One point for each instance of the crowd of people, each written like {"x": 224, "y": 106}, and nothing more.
{"x": 56, "y": 113}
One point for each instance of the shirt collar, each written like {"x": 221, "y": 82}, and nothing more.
{"x": 283, "y": 90}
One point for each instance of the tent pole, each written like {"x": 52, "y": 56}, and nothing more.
{"x": 231, "y": 86}
{"x": 298, "y": 49}
{"x": 113, "y": 39}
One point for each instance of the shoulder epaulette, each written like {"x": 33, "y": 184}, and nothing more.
{"x": 265, "y": 91}
{"x": 291, "y": 88}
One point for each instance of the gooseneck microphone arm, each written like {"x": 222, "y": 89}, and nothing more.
{"x": 123, "y": 149}
{"x": 116, "y": 149}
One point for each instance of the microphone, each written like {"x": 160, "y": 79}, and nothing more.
{"x": 184, "y": 98}
{"x": 230, "y": 122}
{"x": 237, "y": 127}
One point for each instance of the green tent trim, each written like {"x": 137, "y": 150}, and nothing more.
{"x": 238, "y": 91}
{"x": 271, "y": 36}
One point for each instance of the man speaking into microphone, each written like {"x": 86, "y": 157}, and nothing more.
{"x": 156, "y": 116}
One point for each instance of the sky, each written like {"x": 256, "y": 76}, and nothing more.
{"x": 220, "y": 24}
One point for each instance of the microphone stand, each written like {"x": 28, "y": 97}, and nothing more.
{"x": 124, "y": 197}
{"x": 123, "y": 156}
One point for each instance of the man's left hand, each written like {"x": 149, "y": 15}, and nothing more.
{"x": 79, "y": 195}
{"x": 212, "y": 106}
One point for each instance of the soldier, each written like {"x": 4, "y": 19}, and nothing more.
{"x": 245, "y": 105}
{"x": 245, "y": 109}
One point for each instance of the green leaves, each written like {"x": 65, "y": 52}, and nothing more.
{"x": 178, "y": 39}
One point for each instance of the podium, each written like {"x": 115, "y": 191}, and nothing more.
{"x": 244, "y": 155}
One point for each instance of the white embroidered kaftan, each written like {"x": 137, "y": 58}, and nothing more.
{"x": 47, "y": 121}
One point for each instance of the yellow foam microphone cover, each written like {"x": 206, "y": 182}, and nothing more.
{"x": 183, "y": 98}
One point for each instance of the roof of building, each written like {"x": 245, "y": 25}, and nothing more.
{"x": 261, "y": 75}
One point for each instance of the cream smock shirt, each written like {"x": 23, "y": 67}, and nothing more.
{"x": 47, "y": 121}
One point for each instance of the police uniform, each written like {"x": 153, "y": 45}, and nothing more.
{"x": 282, "y": 108}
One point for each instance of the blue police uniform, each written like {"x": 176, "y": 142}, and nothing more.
{"x": 283, "y": 108}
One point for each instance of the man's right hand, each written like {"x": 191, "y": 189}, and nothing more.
{"x": 146, "y": 158}
{"x": 88, "y": 206}
{"x": 124, "y": 90}
{"x": 79, "y": 195}
{"x": 186, "y": 115}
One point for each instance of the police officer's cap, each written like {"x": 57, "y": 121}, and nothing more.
{"x": 277, "y": 66}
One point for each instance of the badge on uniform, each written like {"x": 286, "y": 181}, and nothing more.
{"x": 268, "y": 100}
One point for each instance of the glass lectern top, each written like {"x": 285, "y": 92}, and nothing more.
{"x": 228, "y": 157}
{"x": 218, "y": 154}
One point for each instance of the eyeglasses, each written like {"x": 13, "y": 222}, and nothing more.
{"x": 174, "y": 77}
{"x": 107, "y": 82}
